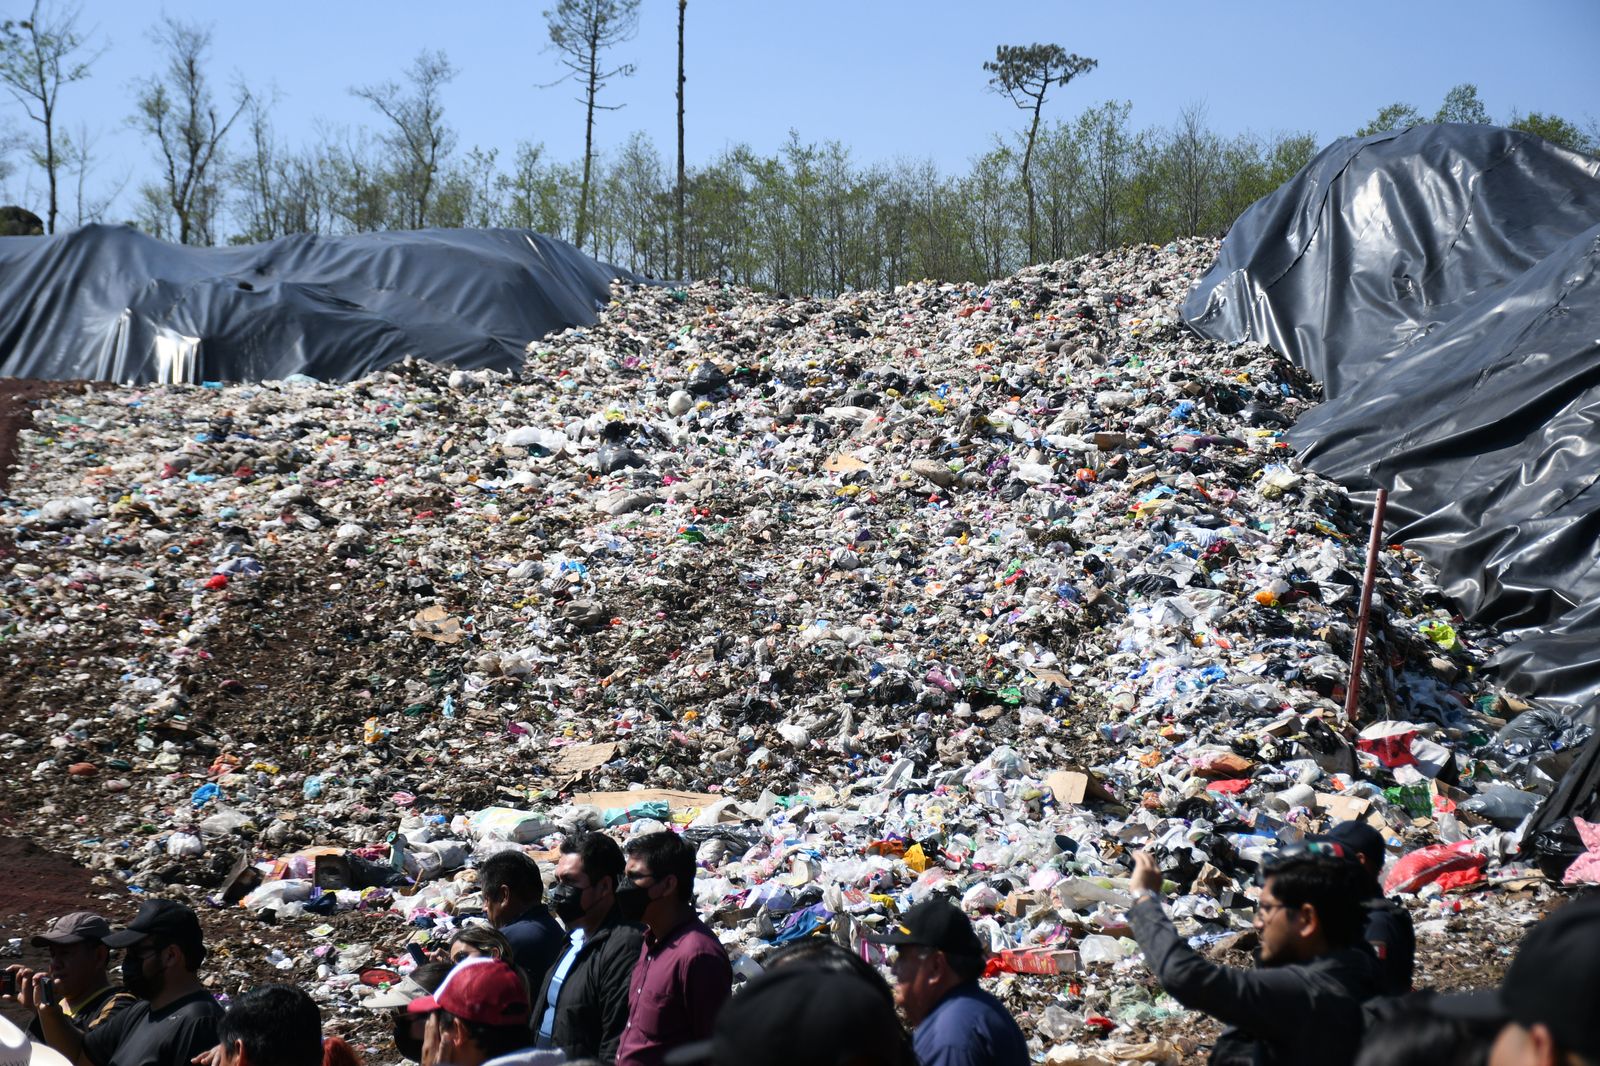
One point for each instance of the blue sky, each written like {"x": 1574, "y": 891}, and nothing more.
{"x": 888, "y": 78}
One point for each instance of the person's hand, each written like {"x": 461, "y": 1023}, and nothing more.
{"x": 30, "y": 987}
{"x": 1146, "y": 874}
{"x": 16, "y": 971}
{"x": 208, "y": 1057}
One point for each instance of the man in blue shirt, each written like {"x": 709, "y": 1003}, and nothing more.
{"x": 936, "y": 968}
{"x": 513, "y": 898}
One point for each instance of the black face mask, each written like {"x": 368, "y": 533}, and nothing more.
{"x": 633, "y": 900}
{"x": 567, "y": 903}
{"x": 408, "y": 1045}
{"x": 137, "y": 978}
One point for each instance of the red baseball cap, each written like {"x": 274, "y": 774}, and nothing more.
{"x": 482, "y": 991}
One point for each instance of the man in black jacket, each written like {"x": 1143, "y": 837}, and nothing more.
{"x": 1388, "y": 924}
{"x": 582, "y": 1005}
{"x": 1302, "y": 1004}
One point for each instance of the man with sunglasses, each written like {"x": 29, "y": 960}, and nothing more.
{"x": 938, "y": 959}
{"x": 1302, "y": 1003}
{"x": 175, "y": 1018}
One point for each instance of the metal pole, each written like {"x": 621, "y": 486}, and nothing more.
{"x": 1352, "y": 690}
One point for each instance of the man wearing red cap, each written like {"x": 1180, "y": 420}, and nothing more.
{"x": 478, "y": 1016}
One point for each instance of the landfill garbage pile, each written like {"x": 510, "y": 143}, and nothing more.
{"x": 1440, "y": 281}
{"x": 954, "y": 588}
{"x": 109, "y": 303}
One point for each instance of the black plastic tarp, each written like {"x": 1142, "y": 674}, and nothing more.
{"x": 110, "y": 303}
{"x": 1443, "y": 283}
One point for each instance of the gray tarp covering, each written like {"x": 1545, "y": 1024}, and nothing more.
{"x": 1442, "y": 283}
{"x": 110, "y": 303}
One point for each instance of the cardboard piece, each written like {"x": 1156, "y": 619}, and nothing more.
{"x": 578, "y": 758}
{"x": 436, "y": 624}
{"x": 1074, "y": 786}
{"x": 1343, "y": 808}
{"x": 843, "y": 463}
{"x": 1016, "y": 905}
{"x": 688, "y": 801}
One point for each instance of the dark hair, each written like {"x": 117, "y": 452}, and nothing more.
{"x": 511, "y": 869}
{"x": 493, "y": 1040}
{"x": 483, "y": 938}
{"x": 820, "y": 953}
{"x": 279, "y": 1025}
{"x": 1334, "y": 887}
{"x": 598, "y": 854}
{"x": 1418, "y": 1037}
{"x": 194, "y": 951}
{"x": 966, "y": 967}
{"x": 430, "y": 975}
{"x": 666, "y": 854}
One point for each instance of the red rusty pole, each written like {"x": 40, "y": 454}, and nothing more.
{"x": 1352, "y": 690}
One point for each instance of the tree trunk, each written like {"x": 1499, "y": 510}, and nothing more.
{"x": 1027, "y": 180}
{"x": 50, "y": 167}
{"x": 682, "y": 4}
{"x": 588, "y": 140}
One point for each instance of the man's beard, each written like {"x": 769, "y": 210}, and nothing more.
{"x": 139, "y": 980}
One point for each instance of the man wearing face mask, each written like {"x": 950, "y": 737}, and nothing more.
{"x": 582, "y": 1006}
{"x": 682, "y": 977}
{"x": 176, "y": 1018}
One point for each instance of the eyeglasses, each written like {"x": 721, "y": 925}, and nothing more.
{"x": 1264, "y": 908}
{"x": 145, "y": 950}
{"x": 908, "y": 954}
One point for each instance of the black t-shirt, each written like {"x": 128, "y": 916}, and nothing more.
{"x": 170, "y": 1036}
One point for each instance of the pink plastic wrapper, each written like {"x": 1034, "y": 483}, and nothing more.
{"x": 1585, "y": 869}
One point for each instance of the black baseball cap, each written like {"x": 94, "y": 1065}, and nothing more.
{"x": 163, "y": 919}
{"x": 1554, "y": 980}
{"x": 802, "y": 1015}
{"x": 1360, "y": 838}
{"x": 934, "y": 923}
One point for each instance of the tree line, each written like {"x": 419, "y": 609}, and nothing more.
{"x": 806, "y": 218}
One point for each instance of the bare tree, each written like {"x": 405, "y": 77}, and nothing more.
{"x": 580, "y": 31}
{"x": 1025, "y": 73}
{"x": 678, "y": 221}
{"x": 419, "y": 142}
{"x": 179, "y": 111}
{"x": 1196, "y": 161}
{"x": 39, "y": 55}
{"x": 77, "y": 160}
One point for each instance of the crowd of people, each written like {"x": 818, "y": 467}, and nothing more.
{"x": 612, "y": 964}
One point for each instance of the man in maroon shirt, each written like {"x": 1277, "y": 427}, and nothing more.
{"x": 683, "y": 976}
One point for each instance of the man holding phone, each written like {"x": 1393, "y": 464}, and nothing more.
{"x": 76, "y": 980}
{"x": 175, "y": 1018}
